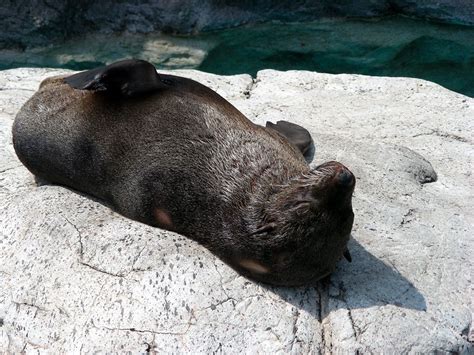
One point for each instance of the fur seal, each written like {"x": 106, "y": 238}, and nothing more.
{"x": 172, "y": 153}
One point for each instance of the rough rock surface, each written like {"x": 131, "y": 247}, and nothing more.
{"x": 75, "y": 276}
{"x": 38, "y": 22}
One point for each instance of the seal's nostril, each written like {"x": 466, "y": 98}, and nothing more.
{"x": 344, "y": 177}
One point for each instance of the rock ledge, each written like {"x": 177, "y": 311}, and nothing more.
{"x": 78, "y": 277}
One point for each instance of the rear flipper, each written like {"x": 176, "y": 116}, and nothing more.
{"x": 126, "y": 78}
{"x": 296, "y": 135}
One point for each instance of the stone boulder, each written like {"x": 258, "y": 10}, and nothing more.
{"x": 77, "y": 277}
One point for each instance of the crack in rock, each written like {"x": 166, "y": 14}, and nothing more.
{"x": 8, "y": 169}
{"x": 342, "y": 297}
{"x": 438, "y": 133}
{"x": 323, "y": 296}
{"x": 95, "y": 268}
{"x": 135, "y": 259}
{"x": 470, "y": 332}
{"x": 34, "y": 345}
{"x": 81, "y": 246}
{"x": 38, "y": 308}
{"x": 103, "y": 271}
{"x": 354, "y": 327}
{"x": 295, "y": 339}
{"x": 214, "y": 306}
{"x": 221, "y": 279}
{"x": 149, "y": 331}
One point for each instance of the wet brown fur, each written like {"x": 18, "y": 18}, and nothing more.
{"x": 185, "y": 159}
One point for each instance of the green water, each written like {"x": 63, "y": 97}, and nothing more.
{"x": 386, "y": 47}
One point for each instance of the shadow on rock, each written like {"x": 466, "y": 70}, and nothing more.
{"x": 366, "y": 282}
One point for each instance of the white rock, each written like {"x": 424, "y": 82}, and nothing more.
{"x": 77, "y": 277}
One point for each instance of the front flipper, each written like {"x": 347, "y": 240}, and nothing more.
{"x": 347, "y": 255}
{"x": 126, "y": 78}
{"x": 296, "y": 135}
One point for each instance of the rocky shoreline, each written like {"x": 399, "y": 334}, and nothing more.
{"x": 76, "y": 276}
{"x": 39, "y": 23}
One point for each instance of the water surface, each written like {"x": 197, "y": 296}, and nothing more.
{"x": 393, "y": 46}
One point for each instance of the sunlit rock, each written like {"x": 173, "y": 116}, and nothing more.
{"x": 77, "y": 277}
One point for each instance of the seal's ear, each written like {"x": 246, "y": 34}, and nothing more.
{"x": 297, "y": 135}
{"x": 125, "y": 78}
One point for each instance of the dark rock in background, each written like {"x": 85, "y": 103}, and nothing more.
{"x": 27, "y": 23}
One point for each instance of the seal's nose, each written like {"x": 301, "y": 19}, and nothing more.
{"x": 340, "y": 176}
{"x": 344, "y": 177}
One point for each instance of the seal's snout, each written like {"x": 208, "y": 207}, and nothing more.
{"x": 344, "y": 177}
{"x": 340, "y": 175}
{"x": 336, "y": 186}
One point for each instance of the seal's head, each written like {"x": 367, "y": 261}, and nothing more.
{"x": 304, "y": 230}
